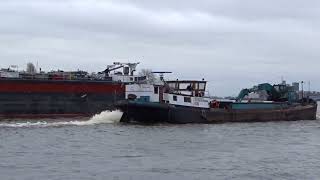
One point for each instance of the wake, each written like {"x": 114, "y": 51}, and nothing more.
{"x": 105, "y": 117}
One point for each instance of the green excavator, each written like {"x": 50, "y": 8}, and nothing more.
{"x": 277, "y": 93}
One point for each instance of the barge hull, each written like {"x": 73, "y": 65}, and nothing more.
{"x": 55, "y": 104}
{"x": 153, "y": 112}
{"x": 40, "y": 98}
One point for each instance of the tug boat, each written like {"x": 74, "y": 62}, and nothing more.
{"x": 181, "y": 102}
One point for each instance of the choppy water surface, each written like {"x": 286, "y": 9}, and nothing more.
{"x": 101, "y": 148}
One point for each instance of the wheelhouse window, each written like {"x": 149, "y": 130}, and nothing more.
{"x": 172, "y": 85}
{"x": 174, "y": 98}
{"x": 156, "y": 90}
{"x": 187, "y": 99}
{"x": 202, "y": 86}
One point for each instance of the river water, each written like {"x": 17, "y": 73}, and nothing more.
{"x": 102, "y": 148}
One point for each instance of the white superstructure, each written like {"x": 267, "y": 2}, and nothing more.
{"x": 127, "y": 73}
{"x": 8, "y": 73}
{"x": 187, "y": 93}
{"x": 179, "y": 93}
{"x": 144, "y": 92}
{"x": 190, "y": 101}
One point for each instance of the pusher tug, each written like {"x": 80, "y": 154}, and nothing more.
{"x": 185, "y": 102}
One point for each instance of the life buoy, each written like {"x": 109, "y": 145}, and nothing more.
{"x": 132, "y": 96}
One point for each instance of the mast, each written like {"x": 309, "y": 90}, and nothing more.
{"x": 302, "y": 90}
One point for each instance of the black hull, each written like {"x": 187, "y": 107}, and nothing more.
{"x": 24, "y": 105}
{"x": 26, "y": 98}
{"x": 164, "y": 113}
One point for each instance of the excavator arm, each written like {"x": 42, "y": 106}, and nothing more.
{"x": 243, "y": 93}
{"x": 271, "y": 91}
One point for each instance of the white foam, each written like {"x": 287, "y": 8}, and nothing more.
{"x": 105, "y": 117}
{"x": 102, "y": 118}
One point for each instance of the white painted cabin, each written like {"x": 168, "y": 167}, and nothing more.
{"x": 128, "y": 78}
{"x": 190, "y": 101}
{"x": 145, "y": 92}
{"x": 179, "y": 93}
{"x": 8, "y": 73}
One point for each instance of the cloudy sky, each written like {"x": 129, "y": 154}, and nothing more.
{"x": 231, "y": 43}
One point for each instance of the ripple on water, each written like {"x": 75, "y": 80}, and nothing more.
{"x": 275, "y": 150}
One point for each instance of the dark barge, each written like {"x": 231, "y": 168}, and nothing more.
{"x": 147, "y": 112}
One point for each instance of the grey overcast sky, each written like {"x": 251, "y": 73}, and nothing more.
{"x": 231, "y": 43}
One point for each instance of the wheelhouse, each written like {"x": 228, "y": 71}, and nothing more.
{"x": 186, "y": 93}
{"x": 190, "y": 88}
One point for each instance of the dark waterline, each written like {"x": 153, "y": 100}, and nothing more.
{"x": 274, "y": 150}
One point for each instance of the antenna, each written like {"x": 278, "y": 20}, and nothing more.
{"x": 37, "y": 67}
{"x": 302, "y": 89}
{"x": 309, "y": 92}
